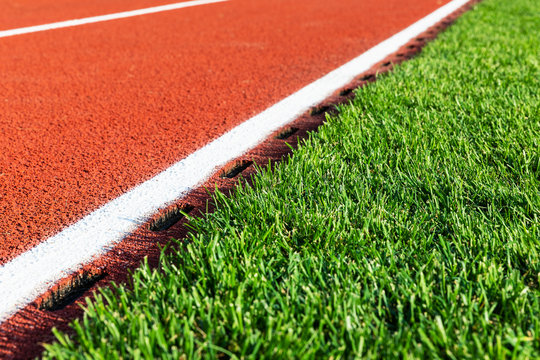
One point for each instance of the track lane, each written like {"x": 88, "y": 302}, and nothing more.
{"x": 106, "y": 17}
{"x": 21, "y": 13}
{"x": 89, "y": 112}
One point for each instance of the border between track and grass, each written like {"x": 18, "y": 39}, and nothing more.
{"x": 108, "y": 17}
{"x": 31, "y": 274}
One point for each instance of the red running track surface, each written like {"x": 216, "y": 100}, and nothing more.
{"x": 88, "y": 112}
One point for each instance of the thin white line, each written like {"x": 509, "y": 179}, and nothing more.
{"x": 32, "y": 273}
{"x": 108, "y": 17}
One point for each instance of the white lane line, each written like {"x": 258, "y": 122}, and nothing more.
{"x": 26, "y": 277}
{"x": 108, "y": 17}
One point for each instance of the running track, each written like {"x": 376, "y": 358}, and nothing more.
{"x": 88, "y": 112}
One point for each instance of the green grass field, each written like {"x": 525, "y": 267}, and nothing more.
{"x": 408, "y": 226}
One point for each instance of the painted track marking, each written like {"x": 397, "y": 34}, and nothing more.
{"x": 108, "y": 17}
{"x": 29, "y": 275}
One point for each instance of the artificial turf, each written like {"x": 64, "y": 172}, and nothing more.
{"x": 407, "y": 226}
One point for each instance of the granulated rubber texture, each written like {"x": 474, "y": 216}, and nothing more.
{"x": 91, "y": 111}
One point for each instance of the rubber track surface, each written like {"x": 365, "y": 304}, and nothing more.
{"x": 89, "y": 112}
